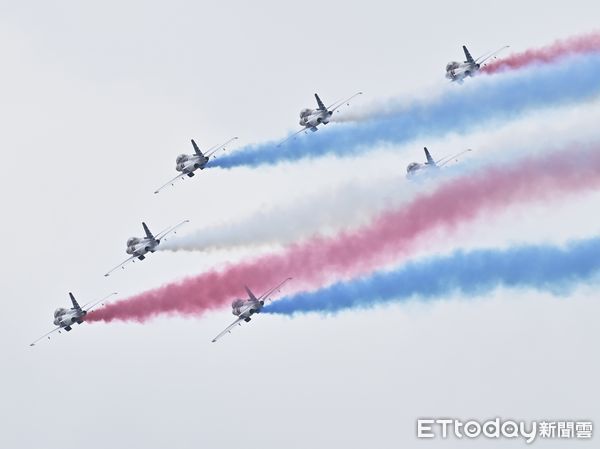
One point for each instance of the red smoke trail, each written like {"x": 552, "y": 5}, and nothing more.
{"x": 387, "y": 239}
{"x": 576, "y": 45}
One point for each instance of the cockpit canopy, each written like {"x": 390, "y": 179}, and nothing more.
{"x": 181, "y": 158}
{"x": 132, "y": 241}
{"x": 60, "y": 311}
{"x": 412, "y": 167}
{"x": 452, "y": 65}
{"x": 305, "y": 112}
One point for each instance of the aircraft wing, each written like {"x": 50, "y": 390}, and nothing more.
{"x": 270, "y": 292}
{"x": 167, "y": 231}
{"x": 337, "y": 104}
{"x": 487, "y": 56}
{"x": 90, "y": 305}
{"x": 45, "y": 335}
{"x": 213, "y": 150}
{"x": 228, "y": 329}
{"x": 292, "y": 136}
{"x": 443, "y": 161}
{"x": 121, "y": 265}
{"x": 170, "y": 182}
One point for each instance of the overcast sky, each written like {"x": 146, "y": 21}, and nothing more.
{"x": 98, "y": 98}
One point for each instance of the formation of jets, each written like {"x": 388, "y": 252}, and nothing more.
{"x": 187, "y": 164}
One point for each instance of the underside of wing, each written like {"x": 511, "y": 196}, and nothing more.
{"x": 333, "y": 107}
{"x": 291, "y": 136}
{"x": 45, "y": 335}
{"x": 167, "y": 231}
{"x": 272, "y": 290}
{"x": 213, "y": 150}
{"x": 228, "y": 329}
{"x": 90, "y": 305}
{"x": 121, "y": 265}
{"x": 171, "y": 182}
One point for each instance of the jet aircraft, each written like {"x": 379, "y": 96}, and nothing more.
{"x": 415, "y": 168}
{"x": 245, "y": 308}
{"x": 138, "y": 247}
{"x": 458, "y": 71}
{"x": 66, "y": 318}
{"x": 310, "y": 119}
{"x": 187, "y": 164}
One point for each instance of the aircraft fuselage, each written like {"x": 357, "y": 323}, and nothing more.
{"x": 65, "y": 318}
{"x": 139, "y": 247}
{"x": 187, "y": 164}
{"x": 246, "y": 308}
{"x": 311, "y": 118}
{"x": 458, "y": 71}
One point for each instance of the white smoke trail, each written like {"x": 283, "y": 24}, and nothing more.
{"x": 376, "y": 181}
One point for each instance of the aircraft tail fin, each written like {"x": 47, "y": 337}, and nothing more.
{"x": 147, "y": 231}
{"x": 74, "y": 301}
{"x": 428, "y": 156}
{"x": 320, "y": 103}
{"x": 196, "y": 149}
{"x": 250, "y": 294}
{"x": 468, "y": 55}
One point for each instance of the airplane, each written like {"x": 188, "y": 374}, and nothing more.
{"x": 310, "y": 119}
{"x": 138, "y": 247}
{"x": 187, "y": 164}
{"x": 458, "y": 71}
{"x": 244, "y": 309}
{"x": 415, "y": 167}
{"x": 66, "y": 318}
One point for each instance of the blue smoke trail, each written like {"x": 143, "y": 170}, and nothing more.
{"x": 543, "y": 267}
{"x": 461, "y": 108}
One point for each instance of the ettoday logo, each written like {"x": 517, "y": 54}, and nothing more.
{"x": 498, "y": 428}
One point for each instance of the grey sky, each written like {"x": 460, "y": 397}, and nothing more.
{"x": 98, "y": 98}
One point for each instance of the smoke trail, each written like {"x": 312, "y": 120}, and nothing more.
{"x": 386, "y": 240}
{"x": 350, "y": 205}
{"x": 588, "y": 43}
{"x": 354, "y": 202}
{"x": 547, "y": 268}
{"x": 498, "y": 98}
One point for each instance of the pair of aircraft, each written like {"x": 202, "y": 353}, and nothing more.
{"x": 310, "y": 119}
{"x": 64, "y": 318}
{"x": 138, "y": 248}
